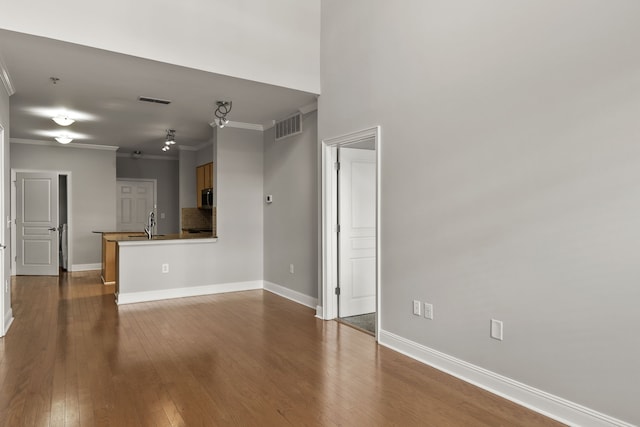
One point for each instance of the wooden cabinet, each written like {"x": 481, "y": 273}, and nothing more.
{"x": 109, "y": 256}
{"x": 204, "y": 179}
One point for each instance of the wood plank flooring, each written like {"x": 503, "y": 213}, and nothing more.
{"x": 73, "y": 358}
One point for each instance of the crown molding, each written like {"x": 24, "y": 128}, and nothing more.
{"x": 240, "y": 125}
{"x": 57, "y": 145}
{"x": 146, "y": 156}
{"x": 6, "y": 78}
{"x": 308, "y": 108}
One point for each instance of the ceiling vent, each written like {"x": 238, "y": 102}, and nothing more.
{"x": 154, "y": 100}
{"x": 289, "y": 126}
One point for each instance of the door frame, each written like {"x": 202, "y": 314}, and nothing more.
{"x": 329, "y": 219}
{"x": 14, "y": 244}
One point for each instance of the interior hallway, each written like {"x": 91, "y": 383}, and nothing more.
{"x": 249, "y": 358}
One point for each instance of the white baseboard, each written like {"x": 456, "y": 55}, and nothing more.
{"x": 319, "y": 312}
{"x": 8, "y": 320}
{"x": 290, "y": 294}
{"x": 542, "y": 402}
{"x": 192, "y": 291}
{"x": 86, "y": 267}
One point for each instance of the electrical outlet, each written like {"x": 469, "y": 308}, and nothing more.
{"x": 428, "y": 311}
{"x": 496, "y": 329}
{"x": 291, "y": 269}
{"x": 165, "y": 268}
{"x": 417, "y": 308}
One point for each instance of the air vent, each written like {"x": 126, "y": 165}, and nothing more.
{"x": 289, "y": 126}
{"x": 154, "y": 100}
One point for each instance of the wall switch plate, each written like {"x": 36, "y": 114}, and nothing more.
{"x": 291, "y": 269}
{"x": 165, "y": 268}
{"x": 417, "y": 308}
{"x": 496, "y": 329}
{"x": 428, "y": 311}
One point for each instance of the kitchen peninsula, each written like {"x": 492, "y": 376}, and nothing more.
{"x": 137, "y": 257}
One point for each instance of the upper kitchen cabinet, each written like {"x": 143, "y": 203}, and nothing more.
{"x": 204, "y": 183}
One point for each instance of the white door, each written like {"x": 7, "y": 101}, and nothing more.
{"x": 357, "y": 237}
{"x": 134, "y": 202}
{"x": 37, "y": 223}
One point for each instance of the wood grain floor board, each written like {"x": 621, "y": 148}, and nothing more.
{"x": 73, "y": 358}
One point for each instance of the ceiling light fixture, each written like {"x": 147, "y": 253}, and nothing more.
{"x": 64, "y": 139}
{"x": 224, "y": 108}
{"x": 63, "y": 120}
{"x": 170, "y": 140}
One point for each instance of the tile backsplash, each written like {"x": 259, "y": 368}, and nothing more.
{"x": 194, "y": 218}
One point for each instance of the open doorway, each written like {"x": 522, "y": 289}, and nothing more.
{"x": 350, "y": 236}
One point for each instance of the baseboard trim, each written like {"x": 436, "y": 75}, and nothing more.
{"x": 8, "y": 320}
{"x": 192, "y": 291}
{"x": 86, "y": 267}
{"x": 542, "y": 402}
{"x": 290, "y": 294}
{"x": 319, "y": 312}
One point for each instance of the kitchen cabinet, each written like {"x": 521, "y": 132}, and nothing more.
{"x": 204, "y": 179}
{"x": 109, "y": 253}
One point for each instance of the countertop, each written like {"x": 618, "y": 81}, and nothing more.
{"x": 176, "y": 236}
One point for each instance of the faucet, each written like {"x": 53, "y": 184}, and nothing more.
{"x": 151, "y": 222}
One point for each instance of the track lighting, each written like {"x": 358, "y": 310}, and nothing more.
{"x": 224, "y": 107}
{"x": 170, "y": 139}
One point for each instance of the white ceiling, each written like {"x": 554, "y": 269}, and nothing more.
{"x": 101, "y": 89}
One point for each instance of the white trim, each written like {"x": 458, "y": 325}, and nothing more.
{"x": 308, "y": 108}
{"x": 8, "y": 320}
{"x": 537, "y": 400}
{"x": 55, "y": 144}
{"x": 319, "y": 311}
{"x": 136, "y": 297}
{"x": 5, "y": 77}
{"x": 328, "y": 212}
{"x": 146, "y": 156}
{"x": 240, "y": 125}
{"x": 86, "y": 267}
{"x": 290, "y": 294}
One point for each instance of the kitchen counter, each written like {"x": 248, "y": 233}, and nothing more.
{"x": 133, "y": 237}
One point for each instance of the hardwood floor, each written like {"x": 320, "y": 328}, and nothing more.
{"x": 72, "y": 357}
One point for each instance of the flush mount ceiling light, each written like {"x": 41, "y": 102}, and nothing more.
{"x": 63, "y": 120}
{"x": 224, "y": 107}
{"x": 170, "y": 140}
{"x": 64, "y": 139}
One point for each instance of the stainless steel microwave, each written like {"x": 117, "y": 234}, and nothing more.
{"x": 207, "y": 198}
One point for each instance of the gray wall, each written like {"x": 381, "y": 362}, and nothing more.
{"x": 237, "y": 255}
{"x": 5, "y": 309}
{"x": 166, "y": 174}
{"x": 92, "y": 191}
{"x": 509, "y": 180}
{"x": 290, "y": 222}
{"x": 187, "y": 180}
